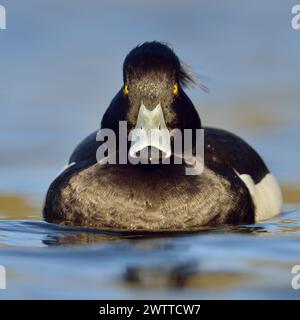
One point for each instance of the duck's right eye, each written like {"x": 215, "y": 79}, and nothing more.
{"x": 175, "y": 89}
{"x": 126, "y": 90}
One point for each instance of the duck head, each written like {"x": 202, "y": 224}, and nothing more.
{"x": 152, "y": 99}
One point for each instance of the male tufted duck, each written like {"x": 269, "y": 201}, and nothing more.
{"x": 235, "y": 186}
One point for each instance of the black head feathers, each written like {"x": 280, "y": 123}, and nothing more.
{"x": 156, "y": 55}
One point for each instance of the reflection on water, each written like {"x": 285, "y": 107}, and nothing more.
{"x": 169, "y": 274}
{"x": 49, "y": 261}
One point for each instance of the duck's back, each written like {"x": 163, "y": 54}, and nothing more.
{"x": 225, "y": 148}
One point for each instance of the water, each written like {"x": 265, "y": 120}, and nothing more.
{"x": 60, "y": 65}
{"x": 48, "y": 261}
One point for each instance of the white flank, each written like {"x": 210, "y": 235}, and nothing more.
{"x": 266, "y": 195}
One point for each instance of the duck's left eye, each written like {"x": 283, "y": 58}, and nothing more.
{"x": 126, "y": 90}
{"x": 175, "y": 89}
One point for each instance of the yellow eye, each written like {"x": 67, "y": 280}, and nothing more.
{"x": 126, "y": 90}
{"x": 175, "y": 89}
